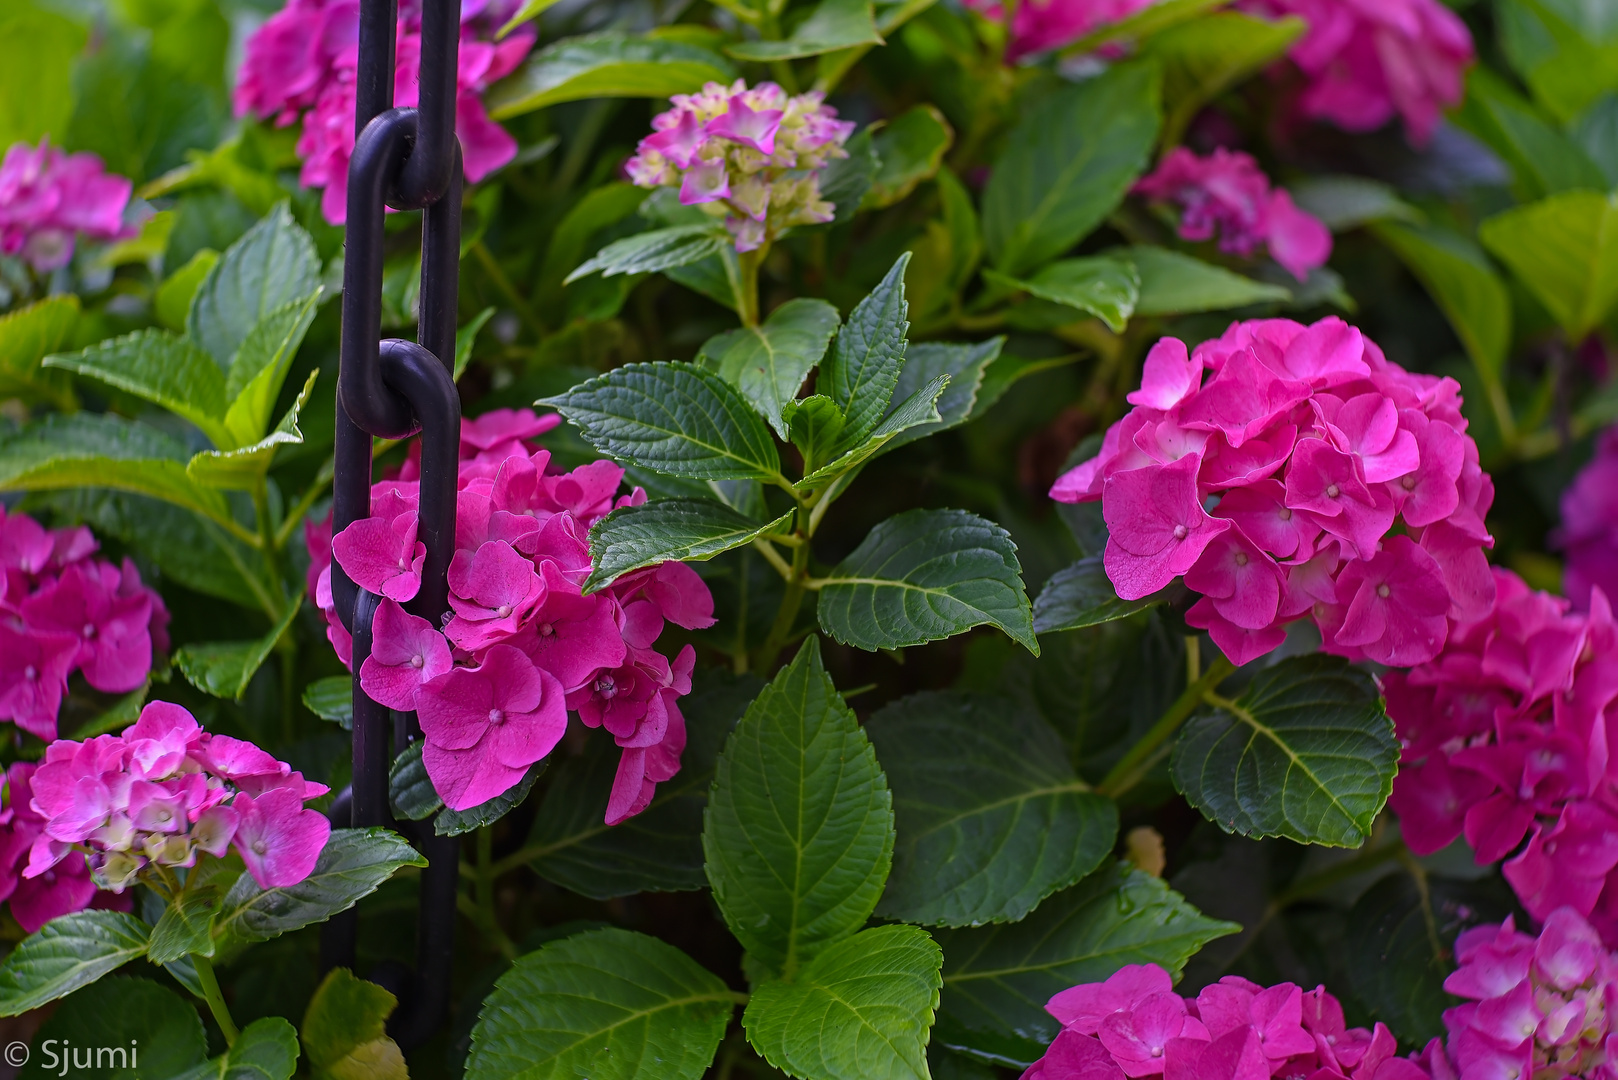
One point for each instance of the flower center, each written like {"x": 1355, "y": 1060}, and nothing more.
{"x": 403, "y": 565}
{"x": 546, "y": 629}
{"x": 164, "y": 816}
{"x": 1241, "y": 558}
{"x": 1382, "y": 590}
{"x": 260, "y": 847}
{"x": 496, "y": 716}
{"x": 1181, "y": 532}
{"x": 89, "y": 630}
{"x": 503, "y": 610}
{"x": 417, "y": 661}
{"x": 1332, "y": 491}
{"x": 30, "y": 673}
{"x": 1285, "y": 514}
{"x": 606, "y": 687}
{"x": 1408, "y": 483}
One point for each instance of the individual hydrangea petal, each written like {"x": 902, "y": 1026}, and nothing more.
{"x": 406, "y": 651}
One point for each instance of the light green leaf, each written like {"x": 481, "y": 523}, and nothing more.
{"x": 1203, "y": 57}
{"x": 1464, "y": 286}
{"x": 910, "y": 148}
{"x": 173, "y": 298}
{"x": 835, "y": 24}
{"x": 245, "y": 468}
{"x": 261, "y": 367}
{"x": 331, "y": 699}
{"x": 1564, "y": 250}
{"x": 1145, "y": 24}
{"x": 1306, "y": 752}
{"x": 1176, "y": 284}
{"x": 608, "y": 1004}
{"x": 185, "y": 927}
{"x": 660, "y": 848}
{"x": 163, "y": 368}
{"x": 410, "y": 790}
{"x": 531, "y": 9}
{"x": 678, "y": 530}
{"x": 998, "y": 978}
{"x": 464, "y": 338}
{"x": 37, "y": 49}
{"x": 225, "y": 668}
{"x": 919, "y": 409}
{"x": 1346, "y": 202}
{"x": 965, "y": 366}
{"x": 1067, "y": 163}
{"x": 139, "y": 1029}
{"x": 799, "y": 828}
{"x": 675, "y": 418}
{"x": 274, "y": 264}
{"x": 605, "y": 65}
{"x": 27, "y": 336}
{"x": 861, "y": 1010}
{"x": 65, "y": 954}
{"x": 266, "y": 1049}
{"x": 863, "y": 367}
{"x": 345, "y": 1031}
{"x": 1544, "y": 160}
{"x": 924, "y": 575}
{"x": 768, "y": 363}
{"x": 660, "y": 249}
{"x": 1559, "y": 51}
{"x": 1082, "y": 595}
{"x": 1105, "y": 287}
{"x": 990, "y": 816}
{"x": 352, "y": 865}
{"x": 459, "y": 822}
{"x": 815, "y": 426}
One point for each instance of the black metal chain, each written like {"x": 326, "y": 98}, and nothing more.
{"x": 408, "y": 159}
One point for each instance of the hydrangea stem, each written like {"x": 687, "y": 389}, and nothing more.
{"x": 1138, "y": 761}
{"x": 747, "y": 264}
{"x": 215, "y": 999}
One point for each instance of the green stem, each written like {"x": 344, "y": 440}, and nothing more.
{"x": 747, "y": 264}
{"x": 787, "y": 614}
{"x": 1137, "y": 762}
{"x": 215, "y": 999}
{"x": 301, "y": 508}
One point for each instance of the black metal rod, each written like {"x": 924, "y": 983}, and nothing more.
{"x": 418, "y": 377}
{"x": 427, "y": 174}
{"x": 441, "y": 269}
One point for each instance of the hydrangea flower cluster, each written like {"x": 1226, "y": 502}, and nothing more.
{"x": 157, "y": 796}
{"x": 1135, "y": 1025}
{"x": 1274, "y": 487}
{"x": 1535, "y": 1007}
{"x": 61, "y": 890}
{"x": 1364, "y": 62}
{"x": 48, "y": 198}
{"x": 1227, "y": 194}
{"x": 303, "y": 60}
{"x": 1589, "y": 532}
{"x": 751, "y": 155}
{"x": 1041, "y": 25}
{"x": 1505, "y": 737}
{"x": 522, "y": 644}
{"x": 63, "y": 611}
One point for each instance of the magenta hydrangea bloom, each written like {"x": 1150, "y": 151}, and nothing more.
{"x": 522, "y": 638}
{"x": 1366, "y": 61}
{"x": 303, "y": 60}
{"x": 1135, "y": 1025}
{"x": 1042, "y": 25}
{"x": 1226, "y": 195}
{"x": 1589, "y": 532}
{"x": 48, "y": 199}
{"x": 61, "y": 890}
{"x": 750, "y": 156}
{"x": 1272, "y": 489}
{"x": 164, "y": 792}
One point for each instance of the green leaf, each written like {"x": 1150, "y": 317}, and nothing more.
{"x": 261, "y": 367}
{"x": 675, "y": 418}
{"x": 660, "y": 249}
{"x": 1176, "y": 284}
{"x": 1544, "y": 160}
{"x": 678, "y": 530}
{"x": 1564, "y": 250}
{"x": 799, "y": 828}
{"x": 185, "y": 927}
{"x": 139, "y": 1029}
{"x": 844, "y": 181}
{"x": 225, "y": 668}
{"x": 605, "y": 65}
{"x": 37, "y": 48}
{"x": 1141, "y": 26}
{"x": 768, "y": 363}
{"x": 864, "y": 364}
{"x": 245, "y": 468}
{"x": 101, "y": 450}
{"x": 924, "y": 575}
{"x": 998, "y": 978}
{"x": 352, "y": 865}
{"x": 464, "y": 338}
{"x": 815, "y": 426}
{"x": 410, "y": 791}
{"x": 861, "y": 1010}
{"x": 1464, "y": 286}
{"x": 65, "y": 954}
{"x": 266, "y": 1049}
{"x": 163, "y": 368}
{"x": 531, "y": 9}
{"x": 458, "y": 822}
{"x": 1082, "y": 595}
{"x": 332, "y": 699}
{"x": 608, "y": 1004}
{"x": 345, "y": 1031}
{"x": 918, "y": 410}
{"x": 27, "y": 335}
{"x": 946, "y": 253}
{"x": 660, "y": 848}
{"x": 1306, "y": 752}
{"x": 910, "y": 148}
{"x": 835, "y": 24}
{"x": 173, "y": 298}
{"x": 990, "y": 816}
{"x": 1107, "y": 288}
{"x": 1346, "y": 202}
{"x": 1203, "y": 57}
{"x": 964, "y": 364}
{"x": 274, "y": 264}
{"x": 1067, "y": 163}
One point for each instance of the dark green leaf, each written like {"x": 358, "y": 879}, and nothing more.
{"x": 266, "y": 1049}
{"x": 1081, "y": 595}
{"x": 1105, "y": 287}
{"x": 919, "y": 410}
{"x": 815, "y": 426}
{"x": 606, "y": 65}
{"x": 1564, "y": 250}
{"x": 410, "y": 791}
{"x": 768, "y": 363}
{"x": 835, "y": 24}
{"x": 864, "y": 364}
{"x": 647, "y": 252}
{"x": 1306, "y": 752}
{"x": 990, "y": 816}
{"x": 799, "y": 828}
{"x": 861, "y": 1010}
{"x": 65, "y": 954}
{"x": 185, "y": 927}
{"x": 679, "y": 530}
{"x": 1345, "y": 202}
{"x": 457, "y": 822}
{"x": 964, "y": 364}
{"x": 224, "y": 669}
{"x": 911, "y": 148}
{"x": 844, "y": 181}
{"x": 466, "y": 336}
{"x": 331, "y": 699}
{"x": 1175, "y": 284}
{"x": 162, "y": 368}
{"x": 924, "y": 575}
{"x": 1202, "y": 57}
{"x": 274, "y": 264}
{"x": 608, "y": 1004}
{"x": 344, "y": 1031}
{"x": 1463, "y": 284}
{"x": 138, "y": 1029}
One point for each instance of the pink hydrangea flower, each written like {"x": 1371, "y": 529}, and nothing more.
{"x": 48, "y": 199}
{"x": 1589, "y": 532}
{"x": 1364, "y": 63}
{"x": 1042, "y": 25}
{"x": 750, "y": 156}
{"x": 405, "y": 652}
{"x": 1226, "y": 195}
{"x": 63, "y": 889}
{"x": 1267, "y": 468}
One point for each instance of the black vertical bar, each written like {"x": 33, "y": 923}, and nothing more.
{"x": 427, "y": 174}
